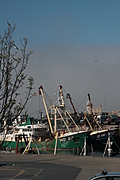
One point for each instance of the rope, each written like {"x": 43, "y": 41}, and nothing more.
{"x": 115, "y": 142}
{"x": 82, "y": 101}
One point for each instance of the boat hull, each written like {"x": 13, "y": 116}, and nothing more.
{"x": 97, "y": 141}
{"x": 68, "y": 144}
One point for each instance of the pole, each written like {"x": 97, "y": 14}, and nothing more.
{"x": 39, "y": 107}
{"x": 55, "y": 150}
{"x": 55, "y": 123}
{"x": 41, "y": 89}
{"x": 84, "y": 147}
{"x": 105, "y": 103}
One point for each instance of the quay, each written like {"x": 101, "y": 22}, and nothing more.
{"x": 49, "y": 166}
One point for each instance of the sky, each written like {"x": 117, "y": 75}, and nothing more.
{"x": 76, "y": 44}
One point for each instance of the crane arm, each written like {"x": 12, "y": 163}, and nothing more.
{"x": 41, "y": 91}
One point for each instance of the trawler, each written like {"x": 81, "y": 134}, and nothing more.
{"x": 99, "y": 136}
{"x": 62, "y": 138}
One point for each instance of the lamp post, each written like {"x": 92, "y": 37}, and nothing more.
{"x": 105, "y": 103}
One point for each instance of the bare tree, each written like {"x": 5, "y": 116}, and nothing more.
{"x": 13, "y": 63}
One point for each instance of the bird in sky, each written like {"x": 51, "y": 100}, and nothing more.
{"x": 95, "y": 61}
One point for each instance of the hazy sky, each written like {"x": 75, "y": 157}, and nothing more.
{"x": 67, "y": 37}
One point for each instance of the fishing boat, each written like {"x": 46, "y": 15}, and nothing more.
{"x": 99, "y": 135}
{"x": 18, "y": 136}
{"x": 67, "y": 136}
{"x": 64, "y": 135}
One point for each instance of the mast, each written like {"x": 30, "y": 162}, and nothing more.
{"x": 62, "y": 98}
{"x": 62, "y": 102}
{"x": 68, "y": 96}
{"x": 76, "y": 115}
{"x": 90, "y": 113}
{"x": 64, "y": 110}
{"x": 89, "y": 105}
{"x": 41, "y": 90}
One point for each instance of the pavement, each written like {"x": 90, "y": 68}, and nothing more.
{"x": 48, "y": 166}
